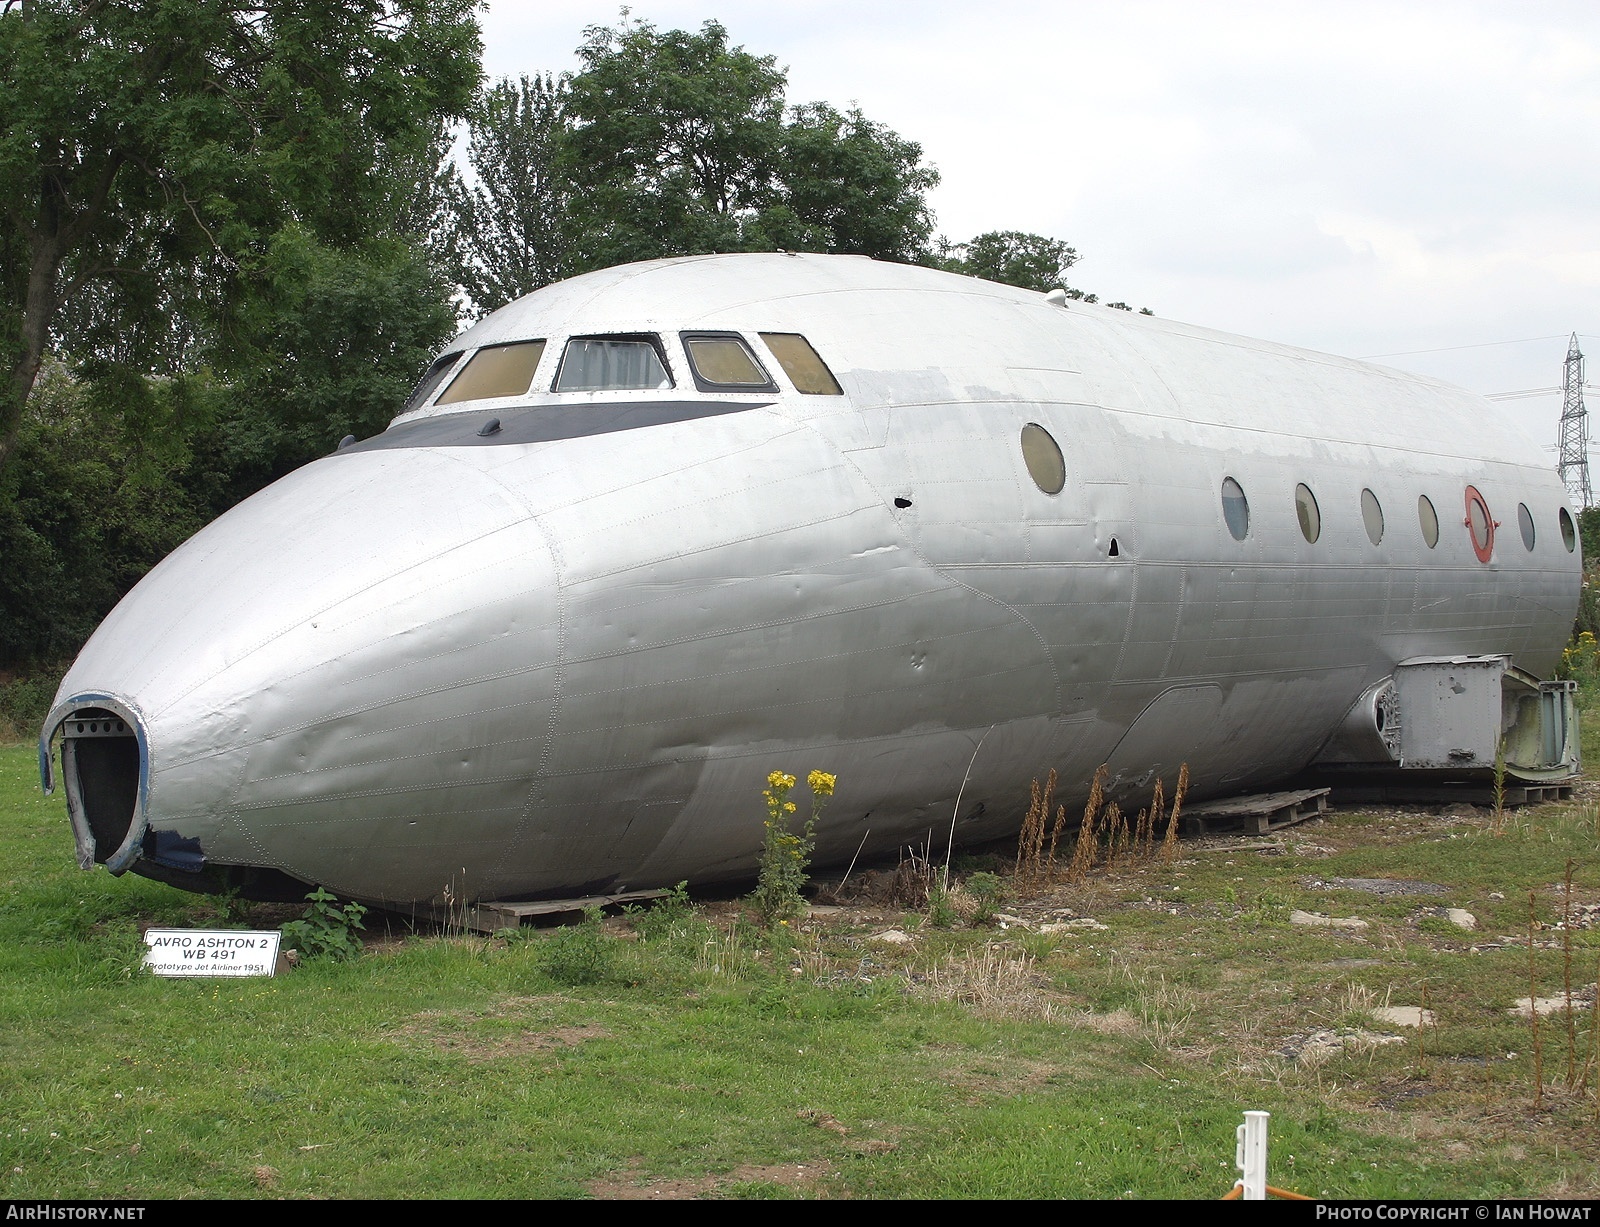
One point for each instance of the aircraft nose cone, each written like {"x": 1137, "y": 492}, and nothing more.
{"x": 344, "y": 674}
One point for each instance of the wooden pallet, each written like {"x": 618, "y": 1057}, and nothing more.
{"x": 1264, "y": 812}
{"x": 1481, "y": 795}
{"x": 492, "y": 917}
{"x": 1535, "y": 794}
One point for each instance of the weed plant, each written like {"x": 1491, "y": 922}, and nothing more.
{"x": 785, "y": 851}
{"x": 579, "y": 954}
{"x": 988, "y": 893}
{"x": 1580, "y": 660}
{"x": 1105, "y": 835}
{"x": 943, "y": 912}
{"x": 665, "y": 918}
{"x": 329, "y": 930}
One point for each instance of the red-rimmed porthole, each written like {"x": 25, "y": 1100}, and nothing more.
{"x": 1480, "y": 525}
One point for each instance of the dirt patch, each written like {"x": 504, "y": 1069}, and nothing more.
{"x": 862, "y": 1146}
{"x": 988, "y": 1080}
{"x": 631, "y": 1184}
{"x": 1321, "y": 1045}
{"x": 824, "y": 1120}
{"x": 1117, "y": 1022}
{"x": 1383, "y": 887}
{"x": 476, "y": 1036}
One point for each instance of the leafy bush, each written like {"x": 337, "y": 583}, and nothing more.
{"x": 578, "y": 954}
{"x": 942, "y": 910}
{"x": 988, "y": 893}
{"x": 327, "y": 930}
{"x": 664, "y": 916}
{"x": 1580, "y": 660}
{"x": 24, "y": 703}
{"x": 1589, "y": 531}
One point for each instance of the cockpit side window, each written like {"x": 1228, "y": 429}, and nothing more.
{"x": 722, "y": 362}
{"x": 613, "y": 363}
{"x": 495, "y": 370}
{"x": 431, "y": 379}
{"x": 805, "y": 369}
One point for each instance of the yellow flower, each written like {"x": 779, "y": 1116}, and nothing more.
{"x": 780, "y": 781}
{"x": 788, "y": 807}
{"x": 822, "y": 783}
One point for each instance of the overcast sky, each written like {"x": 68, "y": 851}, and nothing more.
{"x": 1365, "y": 179}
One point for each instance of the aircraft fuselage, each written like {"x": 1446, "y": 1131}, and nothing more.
{"x": 561, "y": 655}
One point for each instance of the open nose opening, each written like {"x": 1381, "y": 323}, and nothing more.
{"x": 102, "y": 765}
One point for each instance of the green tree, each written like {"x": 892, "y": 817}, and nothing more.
{"x": 847, "y": 186}
{"x": 679, "y": 144}
{"x": 1589, "y": 534}
{"x": 96, "y": 496}
{"x": 1015, "y": 257}
{"x": 673, "y": 140}
{"x": 152, "y": 155}
{"x": 112, "y": 469}
{"x": 508, "y": 216}
{"x": 1012, "y": 257}
{"x": 332, "y": 342}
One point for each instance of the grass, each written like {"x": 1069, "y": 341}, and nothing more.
{"x": 707, "y": 1059}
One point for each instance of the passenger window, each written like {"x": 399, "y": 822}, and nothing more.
{"x": 1372, "y": 516}
{"x": 495, "y": 370}
{"x": 1235, "y": 509}
{"x": 1043, "y": 457}
{"x": 604, "y": 364}
{"x": 1525, "y": 523}
{"x": 722, "y": 362}
{"x": 1305, "y": 507}
{"x": 1428, "y": 520}
{"x": 1480, "y": 524}
{"x": 430, "y": 380}
{"x": 801, "y": 364}
{"x": 1569, "y": 534}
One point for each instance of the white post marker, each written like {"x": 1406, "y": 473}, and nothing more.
{"x": 211, "y": 952}
{"x": 1251, "y": 1156}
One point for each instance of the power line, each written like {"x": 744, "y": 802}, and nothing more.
{"x": 1525, "y": 393}
{"x": 1408, "y": 353}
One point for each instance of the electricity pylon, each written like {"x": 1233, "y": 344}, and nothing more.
{"x": 1574, "y": 463}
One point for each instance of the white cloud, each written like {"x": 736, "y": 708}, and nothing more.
{"x": 1360, "y": 177}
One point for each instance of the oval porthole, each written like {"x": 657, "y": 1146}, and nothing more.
{"x": 1235, "y": 509}
{"x": 1569, "y": 534}
{"x": 1480, "y": 524}
{"x": 1310, "y": 516}
{"x": 1372, "y": 516}
{"x": 1525, "y": 524}
{"x": 1428, "y": 520}
{"x": 1043, "y": 458}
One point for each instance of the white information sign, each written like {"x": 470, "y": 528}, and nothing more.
{"x": 211, "y": 952}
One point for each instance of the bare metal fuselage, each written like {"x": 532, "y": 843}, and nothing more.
{"x": 564, "y": 656}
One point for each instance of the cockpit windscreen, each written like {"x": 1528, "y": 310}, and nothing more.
{"x": 606, "y": 364}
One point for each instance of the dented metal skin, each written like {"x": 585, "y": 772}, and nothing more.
{"x": 445, "y": 666}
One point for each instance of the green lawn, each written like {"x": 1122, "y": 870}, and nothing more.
{"x": 709, "y": 1060}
